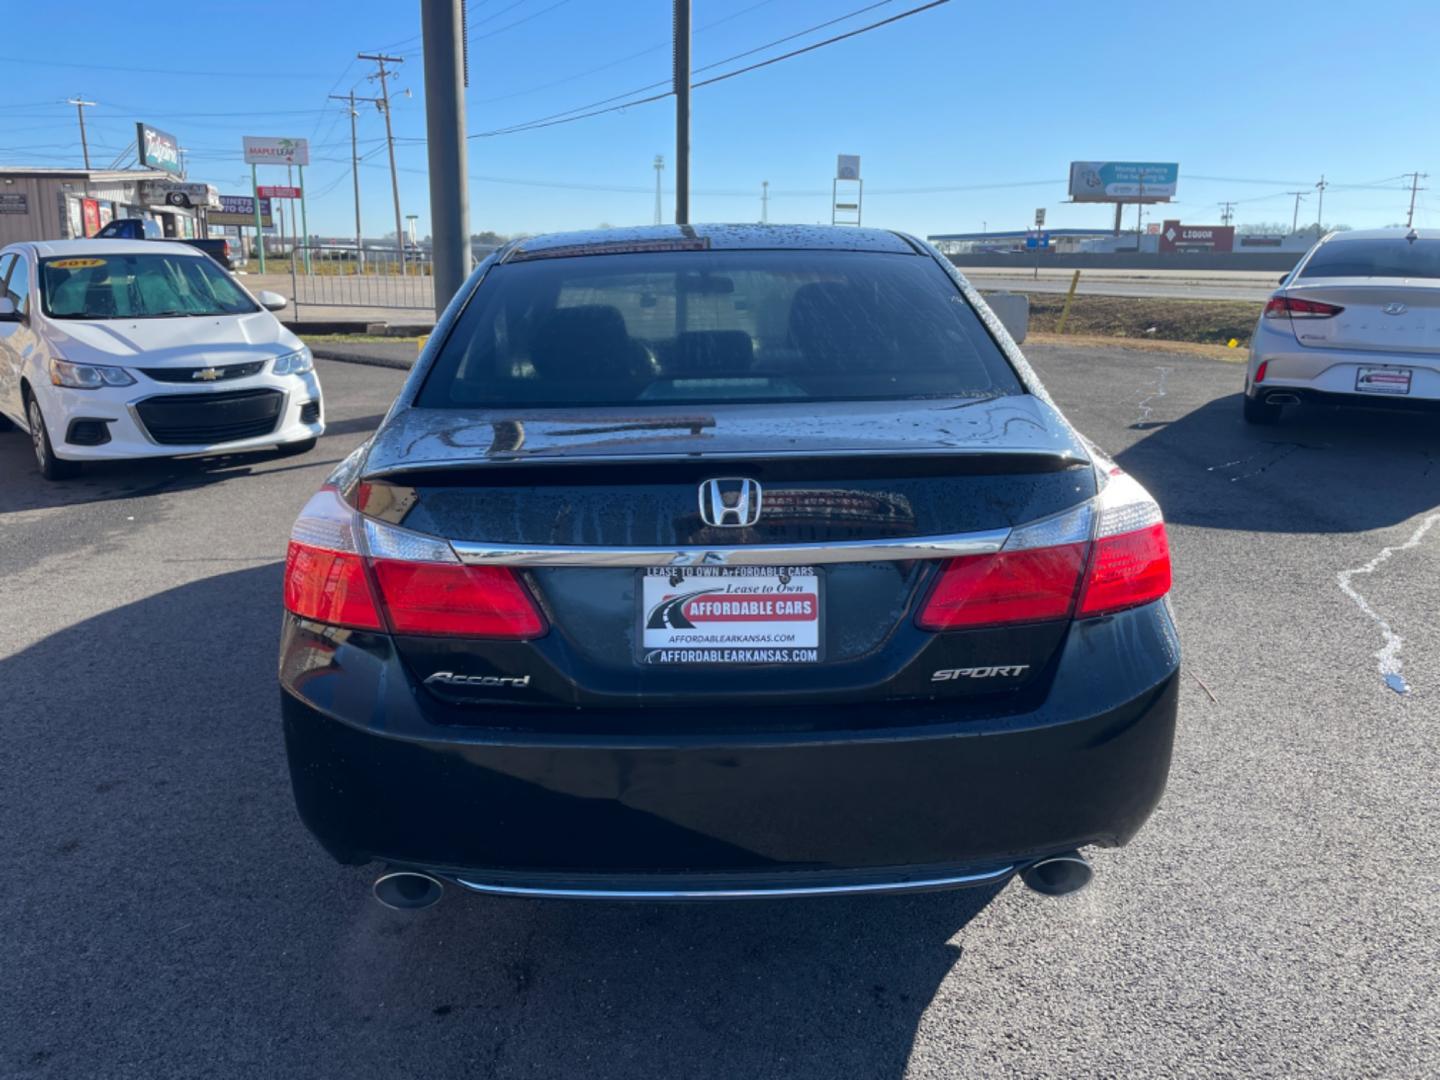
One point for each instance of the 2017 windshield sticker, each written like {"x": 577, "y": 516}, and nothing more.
{"x": 75, "y": 264}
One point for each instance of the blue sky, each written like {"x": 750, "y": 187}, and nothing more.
{"x": 1252, "y": 100}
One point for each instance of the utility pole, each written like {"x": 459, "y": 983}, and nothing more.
{"x": 764, "y": 202}
{"x": 1320, "y": 209}
{"x": 1415, "y": 178}
{"x": 1295, "y": 221}
{"x": 682, "y": 112}
{"x": 80, "y": 106}
{"x": 1227, "y": 213}
{"x": 659, "y": 207}
{"x": 380, "y": 60}
{"x": 355, "y": 170}
{"x": 447, "y": 73}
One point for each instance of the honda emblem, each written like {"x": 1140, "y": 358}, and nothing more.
{"x": 731, "y": 501}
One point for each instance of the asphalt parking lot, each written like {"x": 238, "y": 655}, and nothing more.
{"x": 166, "y": 914}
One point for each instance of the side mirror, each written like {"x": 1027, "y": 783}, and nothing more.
{"x": 272, "y": 301}
{"x": 1013, "y": 311}
{"x": 1284, "y": 278}
{"x": 7, "y": 310}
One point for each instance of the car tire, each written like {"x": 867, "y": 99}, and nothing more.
{"x": 302, "y": 446}
{"x": 1262, "y": 412}
{"x": 50, "y": 466}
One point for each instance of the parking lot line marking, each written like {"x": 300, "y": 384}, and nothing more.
{"x": 1389, "y": 654}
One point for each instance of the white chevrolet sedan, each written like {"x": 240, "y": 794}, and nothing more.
{"x": 131, "y": 349}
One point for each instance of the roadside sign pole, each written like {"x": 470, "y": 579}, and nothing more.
{"x": 304, "y": 223}
{"x": 259, "y": 232}
{"x": 1069, "y": 299}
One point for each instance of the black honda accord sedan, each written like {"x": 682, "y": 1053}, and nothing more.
{"x": 725, "y": 561}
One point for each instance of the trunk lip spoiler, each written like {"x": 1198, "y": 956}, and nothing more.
{"x": 1062, "y": 458}
{"x": 948, "y": 546}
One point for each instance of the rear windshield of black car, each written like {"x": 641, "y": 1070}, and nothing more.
{"x": 1387, "y": 257}
{"x": 714, "y": 327}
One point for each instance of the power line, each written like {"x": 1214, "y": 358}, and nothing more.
{"x": 27, "y": 61}
{"x": 542, "y": 121}
{"x": 623, "y": 59}
{"x": 564, "y": 117}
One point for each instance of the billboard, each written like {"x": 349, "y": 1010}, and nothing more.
{"x": 158, "y": 149}
{"x": 847, "y": 167}
{"x": 261, "y": 150}
{"x": 176, "y": 193}
{"x": 240, "y": 210}
{"x": 1123, "y": 181}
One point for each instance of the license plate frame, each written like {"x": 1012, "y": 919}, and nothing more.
{"x": 1393, "y": 381}
{"x": 747, "y": 616}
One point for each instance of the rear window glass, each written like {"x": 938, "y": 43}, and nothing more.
{"x": 1387, "y": 257}
{"x": 711, "y": 327}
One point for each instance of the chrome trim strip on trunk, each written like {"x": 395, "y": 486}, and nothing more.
{"x": 843, "y": 551}
{"x": 761, "y": 893}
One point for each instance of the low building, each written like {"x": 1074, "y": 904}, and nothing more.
{"x": 66, "y": 204}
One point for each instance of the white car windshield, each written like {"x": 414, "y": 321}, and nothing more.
{"x": 138, "y": 285}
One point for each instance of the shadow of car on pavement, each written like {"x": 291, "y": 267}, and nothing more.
{"x": 1320, "y": 470}
{"x": 173, "y": 909}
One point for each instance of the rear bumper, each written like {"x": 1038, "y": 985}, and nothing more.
{"x": 888, "y": 810}
{"x": 1282, "y": 394}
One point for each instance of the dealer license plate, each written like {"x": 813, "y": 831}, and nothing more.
{"x": 1383, "y": 380}
{"x": 730, "y": 615}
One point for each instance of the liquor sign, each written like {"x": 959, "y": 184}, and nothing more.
{"x": 240, "y": 210}
{"x": 1177, "y": 237}
{"x": 280, "y": 191}
{"x": 158, "y": 149}
{"x": 260, "y": 150}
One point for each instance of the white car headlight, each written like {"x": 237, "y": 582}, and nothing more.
{"x": 87, "y": 376}
{"x": 295, "y": 363}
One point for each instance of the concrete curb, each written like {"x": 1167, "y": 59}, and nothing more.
{"x": 348, "y": 355}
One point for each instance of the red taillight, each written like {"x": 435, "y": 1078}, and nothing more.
{"x": 1052, "y": 569}
{"x": 1007, "y": 587}
{"x": 348, "y": 570}
{"x": 1260, "y": 371}
{"x": 1293, "y": 307}
{"x": 329, "y": 587}
{"x": 454, "y": 600}
{"x": 1126, "y": 571}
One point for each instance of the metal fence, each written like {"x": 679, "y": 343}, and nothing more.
{"x": 341, "y": 277}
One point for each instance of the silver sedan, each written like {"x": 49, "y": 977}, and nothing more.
{"x": 1357, "y": 322}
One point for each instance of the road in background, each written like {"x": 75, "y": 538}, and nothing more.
{"x": 1116, "y": 282}
{"x": 167, "y": 915}
{"x": 1179, "y": 284}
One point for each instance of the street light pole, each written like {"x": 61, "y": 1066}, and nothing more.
{"x": 1295, "y": 220}
{"x": 355, "y": 170}
{"x": 659, "y": 205}
{"x": 443, "y": 28}
{"x": 682, "y": 111}
{"x": 80, "y": 106}
{"x": 381, "y": 60}
{"x": 764, "y": 202}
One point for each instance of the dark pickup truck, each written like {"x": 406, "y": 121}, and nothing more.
{"x": 140, "y": 229}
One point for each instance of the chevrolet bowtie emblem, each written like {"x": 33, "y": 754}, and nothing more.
{"x": 209, "y": 374}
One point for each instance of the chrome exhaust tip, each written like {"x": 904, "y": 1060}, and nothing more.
{"x": 406, "y": 890}
{"x": 1280, "y": 398}
{"x": 1059, "y": 875}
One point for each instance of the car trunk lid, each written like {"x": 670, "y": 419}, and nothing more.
{"x": 602, "y": 518}
{"x": 1400, "y": 315}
